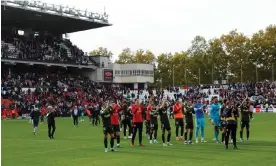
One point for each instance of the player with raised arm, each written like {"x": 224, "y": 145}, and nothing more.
{"x": 115, "y": 121}
{"x": 153, "y": 123}
{"x": 215, "y": 117}
{"x": 137, "y": 120}
{"x": 189, "y": 123}
{"x": 107, "y": 127}
{"x": 230, "y": 114}
{"x": 246, "y": 116}
{"x": 179, "y": 121}
{"x": 51, "y": 121}
{"x": 126, "y": 120}
{"x": 200, "y": 121}
{"x": 165, "y": 123}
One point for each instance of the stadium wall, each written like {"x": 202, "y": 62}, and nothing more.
{"x": 92, "y": 75}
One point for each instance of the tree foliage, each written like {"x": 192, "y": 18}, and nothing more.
{"x": 234, "y": 57}
{"x": 140, "y": 56}
{"x": 101, "y": 52}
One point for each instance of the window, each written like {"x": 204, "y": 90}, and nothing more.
{"x": 134, "y": 72}
{"x": 117, "y": 72}
{"x": 130, "y": 72}
{"x": 147, "y": 73}
{"x": 142, "y": 72}
{"x": 137, "y": 72}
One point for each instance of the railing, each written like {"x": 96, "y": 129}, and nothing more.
{"x": 58, "y": 9}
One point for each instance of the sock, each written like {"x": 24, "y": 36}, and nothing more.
{"x": 155, "y": 135}
{"x": 105, "y": 142}
{"x": 169, "y": 137}
{"x": 247, "y": 134}
{"x": 163, "y": 138}
{"x": 118, "y": 139}
{"x": 185, "y": 135}
{"x": 241, "y": 133}
{"x": 181, "y": 131}
{"x": 111, "y": 142}
{"x": 191, "y": 136}
{"x": 222, "y": 136}
{"x": 176, "y": 131}
{"x": 35, "y": 129}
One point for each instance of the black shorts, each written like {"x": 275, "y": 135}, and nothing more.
{"x": 126, "y": 121}
{"x": 179, "y": 122}
{"x": 154, "y": 126}
{"x": 35, "y": 122}
{"x": 116, "y": 128}
{"x": 165, "y": 127}
{"x": 245, "y": 124}
{"x": 138, "y": 126}
{"x": 108, "y": 130}
{"x": 189, "y": 125}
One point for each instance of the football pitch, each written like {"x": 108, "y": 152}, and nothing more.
{"x": 83, "y": 146}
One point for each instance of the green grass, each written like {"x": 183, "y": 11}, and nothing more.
{"x": 83, "y": 146}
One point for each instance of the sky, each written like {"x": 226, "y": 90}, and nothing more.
{"x": 164, "y": 26}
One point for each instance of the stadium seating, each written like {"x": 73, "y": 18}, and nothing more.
{"x": 47, "y": 49}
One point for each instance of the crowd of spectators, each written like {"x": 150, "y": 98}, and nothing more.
{"x": 63, "y": 90}
{"x": 47, "y": 48}
{"x": 260, "y": 93}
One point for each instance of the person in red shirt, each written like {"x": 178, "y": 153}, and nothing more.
{"x": 43, "y": 113}
{"x": 149, "y": 108}
{"x": 137, "y": 120}
{"x": 179, "y": 121}
{"x": 115, "y": 121}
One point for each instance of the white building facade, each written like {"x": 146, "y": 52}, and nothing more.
{"x": 139, "y": 75}
{"x": 133, "y": 76}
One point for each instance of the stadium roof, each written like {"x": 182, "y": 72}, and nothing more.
{"x": 26, "y": 18}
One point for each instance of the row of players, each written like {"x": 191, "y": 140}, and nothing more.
{"x": 223, "y": 117}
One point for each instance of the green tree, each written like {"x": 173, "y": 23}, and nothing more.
{"x": 217, "y": 60}
{"x": 140, "y": 56}
{"x": 126, "y": 56}
{"x": 101, "y": 52}
{"x": 263, "y": 49}
{"x": 199, "y": 69}
{"x": 237, "y": 49}
{"x": 163, "y": 72}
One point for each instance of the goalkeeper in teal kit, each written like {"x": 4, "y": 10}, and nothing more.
{"x": 215, "y": 117}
